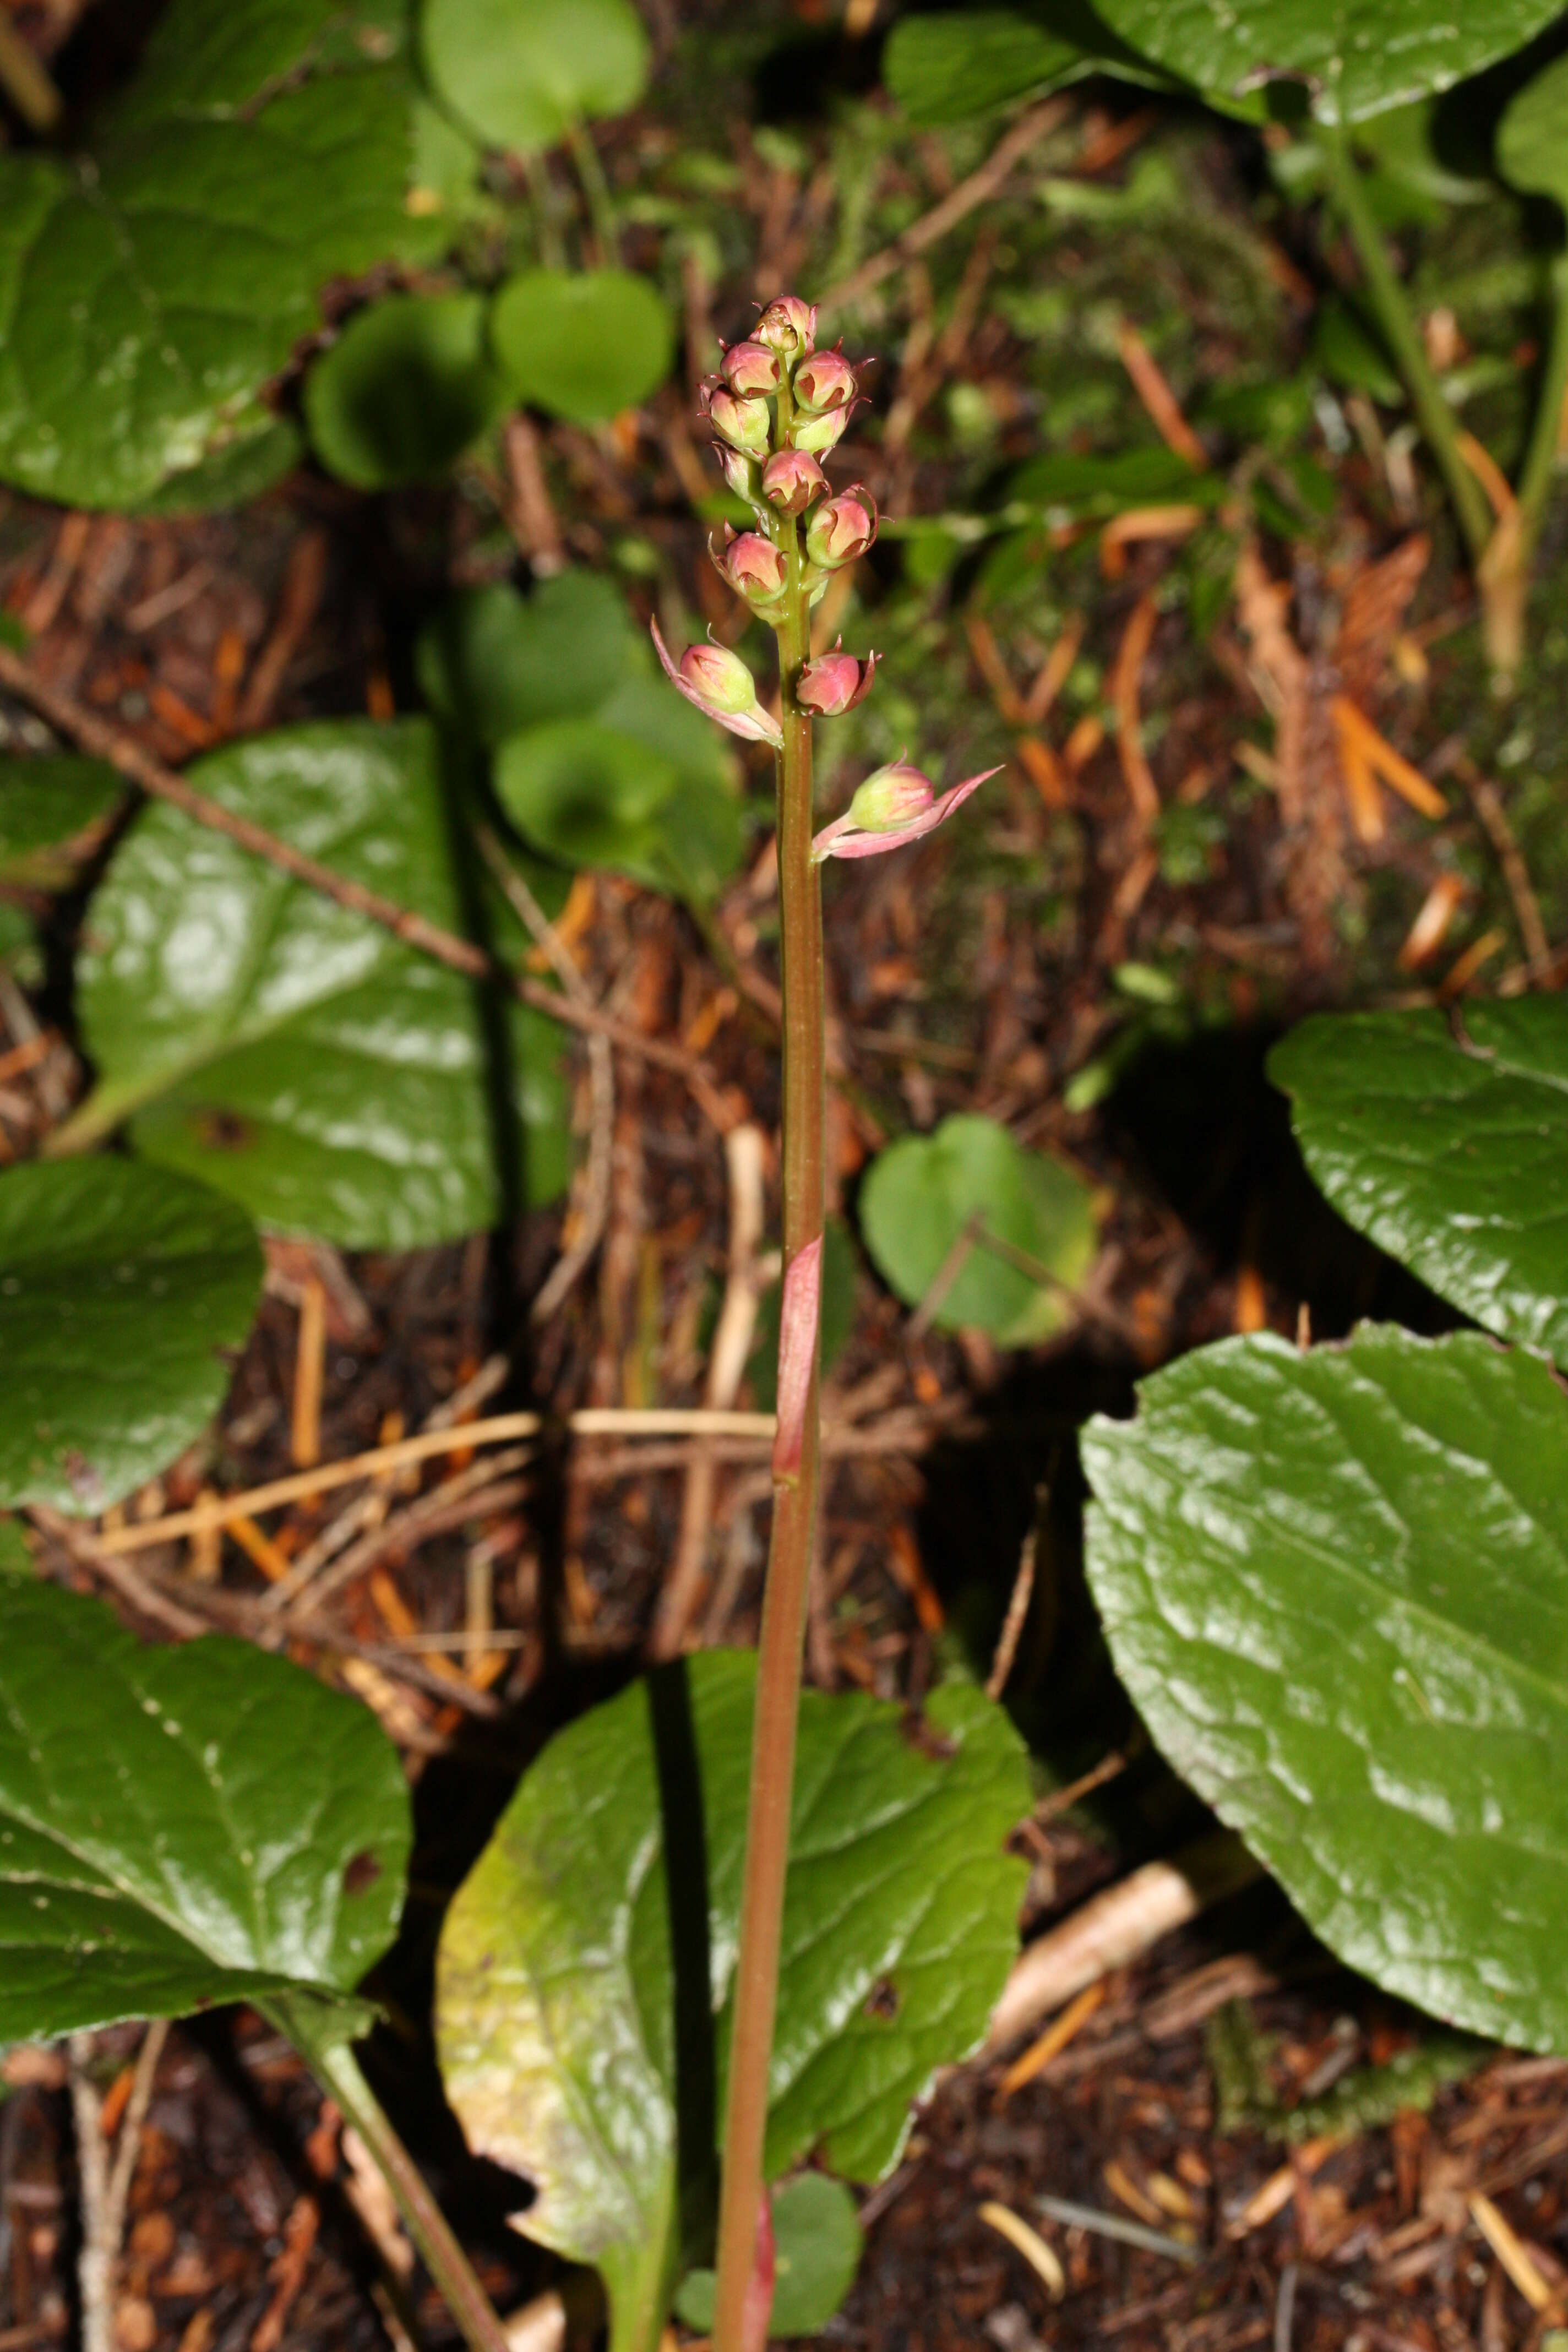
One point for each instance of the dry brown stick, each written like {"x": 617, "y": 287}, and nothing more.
{"x": 25, "y": 81}
{"x": 1013, "y": 1624}
{"x": 132, "y": 1586}
{"x": 1489, "y": 807}
{"x": 982, "y": 183}
{"x": 104, "y": 742}
{"x": 304, "y": 580}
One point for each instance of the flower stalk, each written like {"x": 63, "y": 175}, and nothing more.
{"x": 777, "y": 409}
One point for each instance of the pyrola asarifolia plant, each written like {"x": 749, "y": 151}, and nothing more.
{"x": 778, "y": 407}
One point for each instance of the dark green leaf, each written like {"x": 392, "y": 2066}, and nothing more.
{"x": 493, "y": 662}
{"x": 950, "y": 68}
{"x": 403, "y": 390}
{"x": 1451, "y": 1151}
{"x": 1348, "y": 348}
{"x": 1336, "y": 1584}
{"x": 293, "y": 1054}
{"x": 146, "y": 299}
{"x": 1065, "y": 486}
{"x": 1532, "y": 138}
{"x": 925, "y": 1192}
{"x": 260, "y": 450}
{"x": 557, "y": 2016}
{"x": 119, "y": 1286}
{"x": 582, "y": 346}
{"x": 588, "y": 793}
{"x": 525, "y": 75}
{"x": 182, "y": 1827}
{"x": 52, "y": 810}
{"x": 1357, "y": 57}
{"x": 816, "y": 2252}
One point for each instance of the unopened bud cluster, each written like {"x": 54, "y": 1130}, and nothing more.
{"x": 778, "y": 407}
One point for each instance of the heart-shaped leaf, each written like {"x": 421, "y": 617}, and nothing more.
{"x": 589, "y": 792}
{"x": 146, "y": 299}
{"x": 934, "y": 1206}
{"x": 524, "y": 76}
{"x": 560, "y": 2014}
{"x": 816, "y": 2252}
{"x": 1335, "y": 1583}
{"x": 183, "y": 1827}
{"x": 950, "y": 67}
{"x": 297, "y": 1055}
{"x": 582, "y": 346}
{"x": 52, "y": 810}
{"x": 403, "y": 390}
{"x": 494, "y": 663}
{"x": 1533, "y": 137}
{"x": 121, "y": 1287}
{"x": 1449, "y": 1150}
{"x": 1356, "y": 58}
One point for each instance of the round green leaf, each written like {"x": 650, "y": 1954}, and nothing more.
{"x": 405, "y": 388}
{"x": 525, "y": 72}
{"x": 262, "y": 151}
{"x": 816, "y": 2252}
{"x": 53, "y": 809}
{"x": 295, "y": 1055}
{"x": 493, "y": 662}
{"x": 591, "y": 793}
{"x": 581, "y": 347}
{"x": 950, "y": 67}
{"x": 925, "y": 1191}
{"x": 560, "y": 2008}
{"x": 120, "y": 1288}
{"x": 1335, "y": 1583}
{"x": 1532, "y": 138}
{"x": 1450, "y": 1151}
{"x": 1357, "y": 57}
{"x": 183, "y": 1826}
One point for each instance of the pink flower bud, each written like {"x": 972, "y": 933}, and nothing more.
{"x": 825, "y": 381}
{"x": 753, "y": 568}
{"x": 819, "y": 434}
{"x": 895, "y": 805}
{"x": 835, "y": 682}
{"x": 791, "y": 479}
{"x": 841, "y": 531}
{"x": 788, "y": 326}
{"x": 743, "y": 423}
{"x": 719, "y": 683}
{"x": 750, "y": 370}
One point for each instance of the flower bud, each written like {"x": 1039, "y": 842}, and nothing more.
{"x": 895, "y": 805}
{"x": 818, "y": 433}
{"x": 753, "y": 568}
{"x": 788, "y": 326}
{"x": 834, "y": 683}
{"x": 745, "y": 424}
{"x": 841, "y": 531}
{"x": 823, "y": 382}
{"x": 719, "y": 683}
{"x": 791, "y": 479}
{"x": 891, "y": 799}
{"x": 750, "y": 370}
{"x": 744, "y": 474}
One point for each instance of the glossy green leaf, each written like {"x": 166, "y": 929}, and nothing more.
{"x": 297, "y": 1055}
{"x": 525, "y": 72}
{"x": 1356, "y": 58}
{"x": 120, "y": 1288}
{"x": 816, "y": 2252}
{"x": 53, "y": 810}
{"x": 403, "y": 390}
{"x": 588, "y": 793}
{"x": 1335, "y": 1583}
{"x": 558, "y": 2014}
{"x": 180, "y": 1827}
{"x": 951, "y": 68}
{"x": 925, "y": 1192}
{"x": 1533, "y": 138}
{"x": 492, "y": 662}
{"x": 146, "y": 297}
{"x": 259, "y": 450}
{"x": 584, "y": 346}
{"x": 1449, "y": 1150}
